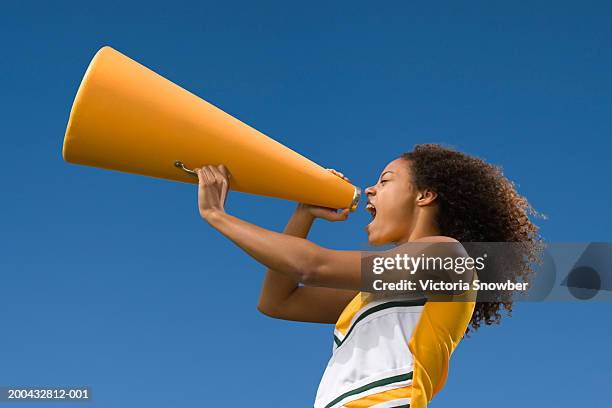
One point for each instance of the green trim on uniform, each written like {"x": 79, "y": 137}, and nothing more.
{"x": 378, "y": 383}
{"x": 337, "y": 340}
{"x": 378, "y": 308}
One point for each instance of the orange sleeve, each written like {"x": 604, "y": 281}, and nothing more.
{"x": 439, "y": 330}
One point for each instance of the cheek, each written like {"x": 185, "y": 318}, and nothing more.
{"x": 397, "y": 215}
{"x": 399, "y": 205}
{"x": 397, "y": 221}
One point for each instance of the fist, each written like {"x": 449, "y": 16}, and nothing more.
{"x": 329, "y": 214}
{"x": 213, "y": 187}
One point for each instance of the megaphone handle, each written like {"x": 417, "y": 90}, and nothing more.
{"x": 181, "y": 166}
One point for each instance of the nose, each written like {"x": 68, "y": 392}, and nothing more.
{"x": 370, "y": 191}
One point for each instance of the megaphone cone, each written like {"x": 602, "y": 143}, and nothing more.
{"x": 126, "y": 117}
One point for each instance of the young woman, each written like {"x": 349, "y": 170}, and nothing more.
{"x": 386, "y": 352}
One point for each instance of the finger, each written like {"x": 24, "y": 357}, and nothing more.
{"x": 218, "y": 180}
{"x": 222, "y": 181}
{"x": 342, "y": 175}
{"x": 221, "y": 174}
{"x": 344, "y": 214}
{"x": 203, "y": 180}
{"x": 225, "y": 171}
{"x": 216, "y": 176}
{"x": 330, "y": 214}
{"x": 340, "y": 216}
{"x": 201, "y": 176}
{"x": 339, "y": 174}
{"x": 209, "y": 177}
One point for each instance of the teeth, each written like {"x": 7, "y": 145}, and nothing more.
{"x": 371, "y": 209}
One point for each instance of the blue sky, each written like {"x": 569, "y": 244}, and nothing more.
{"x": 113, "y": 281}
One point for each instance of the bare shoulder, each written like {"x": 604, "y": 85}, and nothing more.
{"x": 440, "y": 245}
{"x": 437, "y": 238}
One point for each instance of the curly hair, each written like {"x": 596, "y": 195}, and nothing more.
{"x": 477, "y": 203}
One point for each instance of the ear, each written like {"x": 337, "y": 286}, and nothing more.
{"x": 426, "y": 197}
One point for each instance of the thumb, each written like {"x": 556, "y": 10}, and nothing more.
{"x": 341, "y": 216}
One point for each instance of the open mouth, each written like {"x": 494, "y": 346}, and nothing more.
{"x": 371, "y": 209}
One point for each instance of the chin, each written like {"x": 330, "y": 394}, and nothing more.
{"x": 376, "y": 241}
{"x": 381, "y": 236}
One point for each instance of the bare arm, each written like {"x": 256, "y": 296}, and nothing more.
{"x": 281, "y": 296}
{"x": 297, "y": 258}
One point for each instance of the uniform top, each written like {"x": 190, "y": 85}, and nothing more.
{"x": 391, "y": 349}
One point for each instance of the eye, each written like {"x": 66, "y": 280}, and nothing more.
{"x": 382, "y": 182}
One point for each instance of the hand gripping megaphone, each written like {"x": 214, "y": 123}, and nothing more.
{"x": 126, "y": 117}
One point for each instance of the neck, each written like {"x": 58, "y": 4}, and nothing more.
{"x": 424, "y": 226}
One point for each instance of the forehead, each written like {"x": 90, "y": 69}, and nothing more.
{"x": 398, "y": 166}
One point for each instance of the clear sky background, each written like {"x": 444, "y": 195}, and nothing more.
{"x": 113, "y": 281}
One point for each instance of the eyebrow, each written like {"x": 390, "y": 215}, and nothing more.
{"x": 381, "y": 176}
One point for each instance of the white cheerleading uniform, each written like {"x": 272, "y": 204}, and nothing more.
{"x": 371, "y": 352}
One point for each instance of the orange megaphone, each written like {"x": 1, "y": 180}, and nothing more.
{"x": 126, "y": 117}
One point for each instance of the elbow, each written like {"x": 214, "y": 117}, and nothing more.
{"x": 313, "y": 275}
{"x": 306, "y": 268}
{"x": 314, "y": 269}
{"x": 266, "y": 310}
{"x": 310, "y": 277}
{"x": 269, "y": 310}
